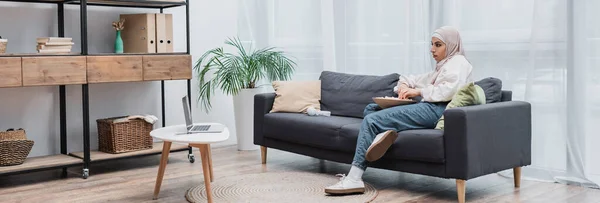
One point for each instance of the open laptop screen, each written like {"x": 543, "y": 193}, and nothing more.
{"x": 186, "y": 111}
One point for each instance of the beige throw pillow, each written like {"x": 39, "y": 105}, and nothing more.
{"x": 296, "y": 96}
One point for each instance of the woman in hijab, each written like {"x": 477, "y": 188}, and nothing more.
{"x": 436, "y": 88}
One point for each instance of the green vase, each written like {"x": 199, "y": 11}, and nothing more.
{"x": 118, "y": 43}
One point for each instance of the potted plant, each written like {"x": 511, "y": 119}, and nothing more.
{"x": 237, "y": 74}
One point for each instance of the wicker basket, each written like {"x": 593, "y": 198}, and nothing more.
{"x": 3, "y": 43}
{"x": 14, "y": 147}
{"x": 126, "y": 136}
{"x": 13, "y": 135}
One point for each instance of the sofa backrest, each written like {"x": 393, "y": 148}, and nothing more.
{"x": 348, "y": 94}
{"x": 492, "y": 88}
{"x": 506, "y": 95}
{"x": 345, "y": 94}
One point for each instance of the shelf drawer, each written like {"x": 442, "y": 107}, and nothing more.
{"x": 102, "y": 69}
{"x": 10, "y": 72}
{"x": 54, "y": 70}
{"x": 167, "y": 67}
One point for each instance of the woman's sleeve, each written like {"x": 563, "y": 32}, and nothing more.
{"x": 414, "y": 81}
{"x": 454, "y": 75}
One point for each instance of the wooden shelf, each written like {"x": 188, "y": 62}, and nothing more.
{"x": 114, "y": 68}
{"x": 45, "y": 70}
{"x": 37, "y": 54}
{"x": 55, "y": 70}
{"x": 11, "y": 72}
{"x": 165, "y": 67}
{"x": 116, "y": 3}
{"x": 156, "y": 149}
{"x": 40, "y": 163}
{"x": 90, "y": 54}
{"x": 141, "y": 54}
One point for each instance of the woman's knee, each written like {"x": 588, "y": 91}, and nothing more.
{"x": 370, "y": 108}
{"x": 371, "y": 119}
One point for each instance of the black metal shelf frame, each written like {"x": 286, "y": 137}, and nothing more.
{"x": 111, "y": 3}
{"x": 83, "y": 5}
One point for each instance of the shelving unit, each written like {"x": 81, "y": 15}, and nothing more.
{"x": 97, "y": 156}
{"x": 42, "y": 163}
{"x": 33, "y": 69}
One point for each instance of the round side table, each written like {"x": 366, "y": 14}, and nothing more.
{"x": 202, "y": 141}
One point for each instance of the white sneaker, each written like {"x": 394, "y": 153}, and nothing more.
{"x": 380, "y": 145}
{"x": 346, "y": 185}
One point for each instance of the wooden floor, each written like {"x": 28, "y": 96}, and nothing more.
{"x": 132, "y": 180}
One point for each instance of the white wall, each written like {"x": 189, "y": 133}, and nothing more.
{"x": 36, "y": 108}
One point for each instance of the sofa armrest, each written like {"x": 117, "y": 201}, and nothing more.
{"x": 263, "y": 103}
{"x": 485, "y": 139}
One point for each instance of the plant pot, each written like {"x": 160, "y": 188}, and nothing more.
{"x": 243, "y": 105}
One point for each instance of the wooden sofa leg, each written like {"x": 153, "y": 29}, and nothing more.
{"x": 263, "y": 154}
{"x": 460, "y": 190}
{"x": 517, "y": 176}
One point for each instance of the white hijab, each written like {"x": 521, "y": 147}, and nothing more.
{"x": 451, "y": 37}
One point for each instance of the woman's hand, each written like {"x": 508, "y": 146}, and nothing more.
{"x": 403, "y": 88}
{"x": 409, "y": 93}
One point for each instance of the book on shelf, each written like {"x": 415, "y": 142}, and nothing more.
{"x": 54, "y": 44}
{"x": 53, "y": 47}
{"x": 54, "y": 39}
{"x": 54, "y": 51}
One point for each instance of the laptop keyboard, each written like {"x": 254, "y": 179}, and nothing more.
{"x": 200, "y": 127}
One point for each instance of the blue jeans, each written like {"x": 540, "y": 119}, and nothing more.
{"x": 376, "y": 120}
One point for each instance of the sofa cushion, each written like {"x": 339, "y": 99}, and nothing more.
{"x": 425, "y": 145}
{"x": 492, "y": 88}
{"x": 296, "y": 96}
{"x": 468, "y": 95}
{"x": 347, "y": 94}
{"x": 316, "y": 131}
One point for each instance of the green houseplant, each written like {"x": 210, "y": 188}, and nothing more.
{"x": 237, "y": 74}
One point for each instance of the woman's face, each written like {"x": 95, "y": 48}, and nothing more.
{"x": 438, "y": 49}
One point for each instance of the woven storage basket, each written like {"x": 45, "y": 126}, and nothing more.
{"x": 14, "y": 147}
{"x": 127, "y": 136}
{"x": 3, "y": 43}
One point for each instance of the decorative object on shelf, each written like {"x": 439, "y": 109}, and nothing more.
{"x": 14, "y": 147}
{"x": 54, "y": 44}
{"x": 124, "y": 134}
{"x": 237, "y": 74}
{"x": 148, "y": 32}
{"x": 119, "y": 26}
{"x": 3, "y": 44}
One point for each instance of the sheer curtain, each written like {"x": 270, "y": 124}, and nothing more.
{"x": 583, "y": 55}
{"x": 542, "y": 50}
{"x": 383, "y": 36}
{"x": 524, "y": 44}
{"x": 291, "y": 26}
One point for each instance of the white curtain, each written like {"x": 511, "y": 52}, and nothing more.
{"x": 542, "y": 50}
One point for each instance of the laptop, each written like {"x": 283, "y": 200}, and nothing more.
{"x": 191, "y": 127}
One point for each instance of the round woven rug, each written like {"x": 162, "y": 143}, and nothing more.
{"x": 276, "y": 187}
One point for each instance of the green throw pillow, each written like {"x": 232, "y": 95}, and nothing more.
{"x": 468, "y": 95}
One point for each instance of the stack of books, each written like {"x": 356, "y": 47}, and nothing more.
{"x": 54, "y": 44}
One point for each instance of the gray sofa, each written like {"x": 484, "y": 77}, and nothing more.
{"x": 477, "y": 140}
